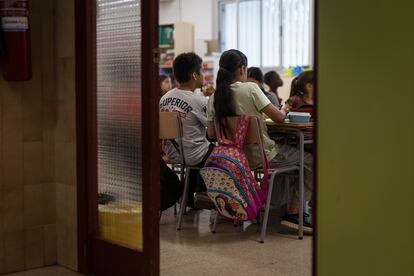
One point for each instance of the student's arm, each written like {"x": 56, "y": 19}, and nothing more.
{"x": 201, "y": 114}
{"x": 264, "y": 105}
{"x": 211, "y": 131}
{"x": 286, "y": 107}
{"x": 202, "y": 118}
{"x": 273, "y": 113}
{"x": 289, "y": 104}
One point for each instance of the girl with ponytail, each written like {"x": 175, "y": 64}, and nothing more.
{"x": 234, "y": 97}
{"x": 301, "y": 92}
{"x": 233, "y": 65}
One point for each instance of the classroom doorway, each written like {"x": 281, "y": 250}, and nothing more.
{"x": 275, "y": 35}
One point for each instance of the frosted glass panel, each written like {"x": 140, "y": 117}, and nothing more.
{"x": 118, "y": 35}
{"x": 296, "y": 40}
{"x": 228, "y": 21}
{"x": 271, "y": 21}
{"x": 272, "y": 33}
{"x": 249, "y": 31}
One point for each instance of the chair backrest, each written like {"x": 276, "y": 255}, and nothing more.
{"x": 254, "y": 133}
{"x": 252, "y": 136}
{"x": 169, "y": 125}
{"x": 227, "y": 174}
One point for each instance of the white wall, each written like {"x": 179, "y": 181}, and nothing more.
{"x": 198, "y": 12}
{"x": 169, "y": 12}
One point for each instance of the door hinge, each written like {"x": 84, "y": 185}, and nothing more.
{"x": 156, "y": 55}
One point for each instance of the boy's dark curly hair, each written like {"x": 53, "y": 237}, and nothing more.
{"x": 184, "y": 65}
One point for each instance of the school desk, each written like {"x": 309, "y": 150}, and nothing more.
{"x": 300, "y": 130}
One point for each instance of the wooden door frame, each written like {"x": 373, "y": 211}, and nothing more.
{"x": 85, "y": 36}
{"x": 315, "y": 143}
{"x": 84, "y": 12}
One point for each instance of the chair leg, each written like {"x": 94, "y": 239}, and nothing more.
{"x": 215, "y": 223}
{"x": 267, "y": 208}
{"x": 184, "y": 177}
{"x": 183, "y": 204}
{"x": 302, "y": 209}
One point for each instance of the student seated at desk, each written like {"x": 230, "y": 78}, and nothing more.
{"x": 273, "y": 80}
{"x": 254, "y": 74}
{"x": 234, "y": 97}
{"x": 301, "y": 93}
{"x": 192, "y": 109}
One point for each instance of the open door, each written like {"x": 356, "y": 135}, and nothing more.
{"x": 117, "y": 129}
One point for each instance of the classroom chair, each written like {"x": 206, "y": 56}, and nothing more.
{"x": 255, "y": 136}
{"x": 171, "y": 128}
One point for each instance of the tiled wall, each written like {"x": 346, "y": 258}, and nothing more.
{"x": 37, "y": 148}
{"x": 65, "y": 134}
{"x": 27, "y": 185}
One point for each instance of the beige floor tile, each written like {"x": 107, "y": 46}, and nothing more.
{"x": 196, "y": 251}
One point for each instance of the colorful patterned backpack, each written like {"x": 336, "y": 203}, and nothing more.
{"x": 230, "y": 183}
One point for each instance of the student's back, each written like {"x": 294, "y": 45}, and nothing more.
{"x": 192, "y": 109}
{"x": 249, "y": 100}
{"x": 235, "y": 97}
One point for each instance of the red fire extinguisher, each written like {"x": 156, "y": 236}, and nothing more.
{"x": 17, "y": 64}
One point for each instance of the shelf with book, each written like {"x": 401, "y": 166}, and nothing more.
{"x": 210, "y": 68}
{"x": 174, "y": 39}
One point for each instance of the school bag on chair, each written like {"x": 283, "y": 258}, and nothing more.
{"x": 230, "y": 183}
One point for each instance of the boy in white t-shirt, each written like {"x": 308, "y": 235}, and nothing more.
{"x": 192, "y": 108}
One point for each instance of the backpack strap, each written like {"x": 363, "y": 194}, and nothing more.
{"x": 175, "y": 145}
{"x": 238, "y": 141}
